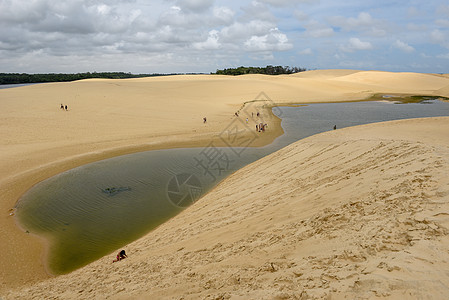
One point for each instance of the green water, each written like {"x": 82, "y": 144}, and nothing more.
{"x": 93, "y": 210}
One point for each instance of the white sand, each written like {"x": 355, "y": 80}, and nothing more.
{"x": 111, "y": 117}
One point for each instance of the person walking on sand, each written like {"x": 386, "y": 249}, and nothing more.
{"x": 204, "y": 120}
{"x": 257, "y": 127}
{"x": 121, "y": 255}
{"x": 66, "y": 107}
{"x": 62, "y": 106}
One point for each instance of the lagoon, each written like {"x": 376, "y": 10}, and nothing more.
{"x": 90, "y": 211}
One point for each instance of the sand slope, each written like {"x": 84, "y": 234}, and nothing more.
{"x": 357, "y": 212}
{"x": 112, "y": 117}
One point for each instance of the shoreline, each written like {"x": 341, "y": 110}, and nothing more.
{"x": 32, "y": 177}
{"x": 239, "y": 243}
{"x": 34, "y": 153}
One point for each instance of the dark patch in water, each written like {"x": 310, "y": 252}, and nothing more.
{"x": 112, "y": 191}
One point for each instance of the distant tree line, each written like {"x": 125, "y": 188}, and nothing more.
{"x": 268, "y": 70}
{"x": 14, "y": 78}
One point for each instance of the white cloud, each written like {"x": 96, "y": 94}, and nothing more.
{"x": 194, "y": 5}
{"x": 259, "y": 11}
{"x": 440, "y": 37}
{"x": 364, "y": 19}
{"x": 211, "y": 43}
{"x": 20, "y": 12}
{"x": 437, "y": 36}
{"x": 355, "y": 44}
{"x": 364, "y": 22}
{"x": 273, "y": 41}
{"x": 178, "y": 18}
{"x": 78, "y": 35}
{"x": 225, "y": 15}
{"x": 403, "y": 46}
{"x": 241, "y": 31}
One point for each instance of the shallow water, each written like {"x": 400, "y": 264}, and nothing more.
{"x": 10, "y": 86}
{"x": 92, "y": 210}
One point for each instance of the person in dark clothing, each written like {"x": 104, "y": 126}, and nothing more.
{"x": 121, "y": 255}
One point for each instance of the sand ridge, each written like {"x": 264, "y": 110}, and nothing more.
{"x": 106, "y": 118}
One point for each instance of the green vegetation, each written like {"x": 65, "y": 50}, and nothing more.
{"x": 268, "y": 70}
{"x": 406, "y": 98}
{"x": 14, "y": 78}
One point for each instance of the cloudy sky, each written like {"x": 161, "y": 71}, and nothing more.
{"x": 138, "y": 36}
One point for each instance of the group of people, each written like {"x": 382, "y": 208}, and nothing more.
{"x": 63, "y": 107}
{"x": 261, "y": 127}
{"x": 252, "y": 114}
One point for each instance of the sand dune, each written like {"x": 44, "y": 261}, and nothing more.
{"x": 325, "y": 74}
{"x": 397, "y": 81}
{"x": 359, "y": 212}
{"x": 106, "y": 118}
